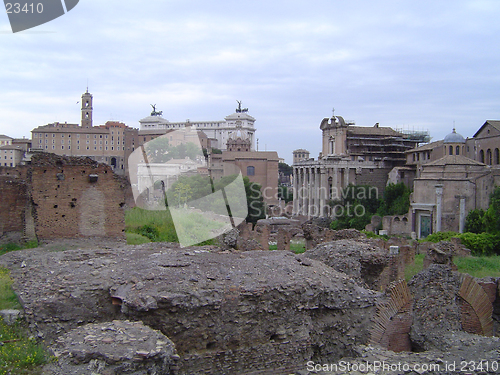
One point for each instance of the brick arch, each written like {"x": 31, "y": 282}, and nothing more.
{"x": 392, "y": 322}
{"x": 477, "y": 311}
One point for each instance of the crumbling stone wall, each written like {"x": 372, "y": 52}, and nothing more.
{"x": 74, "y": 197}
{"x": 14, "y": 195}
{"x": 62, "y": 197}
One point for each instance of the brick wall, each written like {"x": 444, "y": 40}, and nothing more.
{"x": 55, "y": 197}
{"x": 69, "y": 203}
{"x": 12, "y": 204}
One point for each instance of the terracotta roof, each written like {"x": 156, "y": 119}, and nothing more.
{"x": 454, "y": 160}
{"x": 428, "y": 146}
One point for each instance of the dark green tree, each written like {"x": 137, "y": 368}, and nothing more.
{"x": 474, "y": 221}
{"x": 355, "y": 207}
{"x": 396, "y": 200}
{"x": 285, "y": 193}
{"x": 255, "y": 201}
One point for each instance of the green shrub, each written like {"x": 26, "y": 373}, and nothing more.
{"x": 474, "y": 221}
{"x": 440, "y": 236}
{"x": 149, "y": 231}
{"x": 481, "y": 243}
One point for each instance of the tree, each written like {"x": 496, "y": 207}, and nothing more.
{"x": 396, "y": 200}
{"x": 255, "y": 201}
{"x": 183, "y": 192}
{"x": 157, "y": 150}
{"x": 355, "y": 207}
{"x": 285, "y": 193}
{"x": 193, "y": 188}
{"x": 285, "y": 169}
{"x": 474, "y": 221}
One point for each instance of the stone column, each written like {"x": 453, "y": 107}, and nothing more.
{"x": 439, "y": 206}
{"x": 318, "y": 193}
{"x": 304, "y": 192}
{"x": 312, "y": 192}
{"x": 322, "y": 192}
{"x": 461, "y": 225}
{"x": 295, "y": 186}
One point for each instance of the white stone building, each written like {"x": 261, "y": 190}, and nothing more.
{"x": 237, "y": 125}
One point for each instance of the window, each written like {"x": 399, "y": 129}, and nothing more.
{"x": 457, "y": 150}
{"x": 250, "y": 171}
{"x": 451, "y": 150}
{"x": 497, "y": 157}
{"x": 481, "y": 156}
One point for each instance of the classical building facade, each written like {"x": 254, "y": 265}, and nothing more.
{"x": 105, "y": 143}
{"x": 452, "y": 177}
{"x": 350, "y": 155}
{"x": 238, "y": 124}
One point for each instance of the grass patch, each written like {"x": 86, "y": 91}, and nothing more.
{"x": 19, "y": 354}
{"x": 298, "y": 247}
{"x": 136, "y": 239}
{"x": 479, "y": 266}
{"x": 412, "y": 269}
{"x": 8, "y": 299}
{"x": 483, "y": 266}
{"x": 158, "y": 226}
{"x": 6, "y": 248}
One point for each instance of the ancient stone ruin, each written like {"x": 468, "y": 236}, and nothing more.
{"x": 62, "y": 197}
{"x": 208, "y": 310}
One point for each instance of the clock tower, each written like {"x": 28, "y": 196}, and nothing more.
{"x": 87, "y": 110}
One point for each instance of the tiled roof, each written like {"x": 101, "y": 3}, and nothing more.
{"x": 454, "y": 160}
{"x": 428, "y": 146}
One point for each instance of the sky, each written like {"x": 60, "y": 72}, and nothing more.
{"x": 415, "y": 65}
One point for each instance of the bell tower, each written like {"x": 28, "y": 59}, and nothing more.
{"x": 87, "y": 110}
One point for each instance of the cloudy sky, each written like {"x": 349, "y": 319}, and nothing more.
{"x": 423, "y": 65}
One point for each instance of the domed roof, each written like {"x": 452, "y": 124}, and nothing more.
{"x": 454, "y": 137}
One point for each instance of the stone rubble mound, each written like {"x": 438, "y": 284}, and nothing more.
{"x": 117, "y": 347}
{"x": 228, "y": 312}
{"x": 363, "y": 261}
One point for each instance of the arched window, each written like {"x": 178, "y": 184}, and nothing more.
{"x": 250, "y": 171}
{"x": 457, "y": 150}
{"x": 497, "y": 157}
{"x": 451, "y": 150}
{"x": 481, "y": 156}
{"x": 488, "y": 157}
